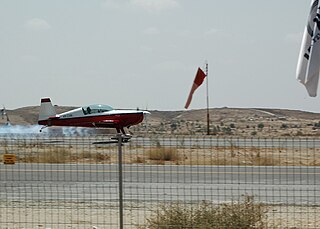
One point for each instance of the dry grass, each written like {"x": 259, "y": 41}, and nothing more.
{"x": 58, "y": 156}
{"x": 222, "y": 155}
{"x": 139, "y": 160}
{"x": 163, "y": 154}
{"x": 249, "y": 156}
{"x": 242, "y": 215}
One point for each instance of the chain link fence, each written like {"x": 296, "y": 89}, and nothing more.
{"x": 168, "y": 182}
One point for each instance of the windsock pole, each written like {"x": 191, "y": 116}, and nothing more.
{"x": 208, "y": 113}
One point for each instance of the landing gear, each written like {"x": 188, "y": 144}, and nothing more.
{"x": 121, "y": 136}
{"x": 115, "y": 140}
{"x": 42, "y": 128}
{"x": 125, "y": 137}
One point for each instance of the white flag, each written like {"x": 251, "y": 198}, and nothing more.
{"x": 308, "y": 67}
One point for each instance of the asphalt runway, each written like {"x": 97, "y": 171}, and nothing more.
{"x": 99, "y": 182}
{"x": 181, "y": 141}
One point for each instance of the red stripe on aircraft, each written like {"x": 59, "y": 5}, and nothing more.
{"x": 106, "y": 121}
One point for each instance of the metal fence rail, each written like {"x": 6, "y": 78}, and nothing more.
{"x": 61, "y": 182}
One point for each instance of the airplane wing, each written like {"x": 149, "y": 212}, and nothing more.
{"x": 107, "y": 123}
{"x": 53, "y": 117}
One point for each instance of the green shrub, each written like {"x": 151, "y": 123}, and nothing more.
{"x": 254, "y": 133}
{"x": 260, "y": 126}
{"x": 227, "y": 130}
{"x": 317, "y": 125}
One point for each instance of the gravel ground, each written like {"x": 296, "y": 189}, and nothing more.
{"x": 45, "y": 215}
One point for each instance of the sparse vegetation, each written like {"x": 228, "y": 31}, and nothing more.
{"x": 227, "y": 130}
{"x": 139, "y": 160}
{"x": 182, "y": 153}
{"x": 194, "y": 121}
{"x": 258, "y": 160}
{"x": 57, "y": 155}
{"x": 163, "y": 154}
{"x": 53, "y": 156}
{"x": 254, "y": 133}
{"x": 215, "y": 130}
{"x": 317, "y": 125}
{"x": 236, "y": 215}
{"x": 260, "y": 126}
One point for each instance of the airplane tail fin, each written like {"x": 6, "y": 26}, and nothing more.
{"x": 46, "y": 109}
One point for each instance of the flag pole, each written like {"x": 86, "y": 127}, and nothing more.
{"x": 208, "y": 114}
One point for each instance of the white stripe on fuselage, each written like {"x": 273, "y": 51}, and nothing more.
{"x": 78, "y": 113}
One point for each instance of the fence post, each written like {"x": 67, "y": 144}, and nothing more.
{"x": 120, "y": 138}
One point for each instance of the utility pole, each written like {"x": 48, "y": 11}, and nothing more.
{"x": 120, "y": 138}
{"x": 208, "y": 113}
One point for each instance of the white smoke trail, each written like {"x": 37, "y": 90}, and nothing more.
{"x": 53, "y": 131}
{"x": 77, "y": 131}
{"x": 19, "y": 129}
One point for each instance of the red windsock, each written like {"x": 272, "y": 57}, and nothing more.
{"x": 198, "y": 80}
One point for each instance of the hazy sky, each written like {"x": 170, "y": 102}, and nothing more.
{"x": 145, "y": 53}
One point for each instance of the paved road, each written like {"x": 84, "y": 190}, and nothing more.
{"x": 289, "y": 185}
{"x": 180, "y": 141}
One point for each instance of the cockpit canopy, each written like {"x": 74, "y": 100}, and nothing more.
{"x": 96, "y": 108}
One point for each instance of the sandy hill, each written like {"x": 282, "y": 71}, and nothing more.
{"x": 240, "y": 121}
{"x": 29, "y": 115}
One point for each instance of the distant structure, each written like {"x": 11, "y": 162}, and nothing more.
{"x": 4, "y": 114}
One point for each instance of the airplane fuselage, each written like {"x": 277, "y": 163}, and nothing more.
{"x": 97, "y": 115}
{"x": 117, "y": 120}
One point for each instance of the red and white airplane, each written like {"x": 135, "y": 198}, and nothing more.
{"x": 97, "y": 116}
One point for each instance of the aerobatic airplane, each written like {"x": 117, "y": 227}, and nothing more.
{"x": 97, "y": 116}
